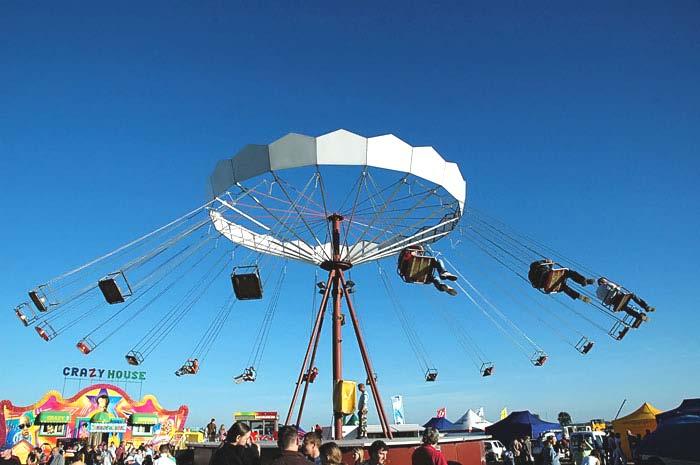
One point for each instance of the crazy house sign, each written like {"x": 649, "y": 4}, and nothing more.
{"x": 102, "y": 373}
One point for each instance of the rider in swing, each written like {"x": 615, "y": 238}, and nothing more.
{"x": 191, "y": 367}
{"x": 413, "y": 252}
{"x": 551, "y": 277}
{"x": 612, "y": 295}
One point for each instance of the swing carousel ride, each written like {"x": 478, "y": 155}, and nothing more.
{"x": 334, "y": 202}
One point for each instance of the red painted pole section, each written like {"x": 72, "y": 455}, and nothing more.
{"x": 310, "y": 366}
{"x": 368, "y": 363}
{"x": 337, "y": 320}
{"x": 314, "y": 334}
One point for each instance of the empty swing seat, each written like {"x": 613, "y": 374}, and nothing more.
{"x": 134, "y": 358}
{"x": 46, "y": 332}
{"x": 246, "y": 283}
{"x": 431, "y": 375}
{"x": 39, "y": 298}
{"x": 619, "y": 330}
{"x": 584, "y": 345}
{"x": 85, "y": 346}
{"x": 111, "y": 291}
{"x": 487, "y": 369}
{"x": 21, "y": 315}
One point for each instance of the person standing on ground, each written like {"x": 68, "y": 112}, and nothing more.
{"x": 6, "y": 457}
{"x": 288, "y": 443}
{"x": 549, "y": 455}
{"x": 517, "y": 450}
{"x": 311, "y": 446}
{"x": 57, "y": 457}
{"x": 362, "y": 411}
{"x": 358, "y": 455}
{"x": 527, "y": 450}
{"x": 378, "y": 452}
{"x": 593, "y": 459}
{"x": 211, "y": 431}
{"x": 222, "y": 433}
{"x": 330, "y": 454}
{"x": 238, "y": 448}
{"x": 427, "y": 454}
{"x": 165, "y": 457}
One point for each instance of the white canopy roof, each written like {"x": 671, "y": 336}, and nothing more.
{"x": 339, "y": 147}
{"x": 471, "y": 420}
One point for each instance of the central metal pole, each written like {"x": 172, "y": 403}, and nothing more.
{"x": 337, "y": 322}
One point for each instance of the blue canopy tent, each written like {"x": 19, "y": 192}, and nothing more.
{"x": 518, "y": 425}
{"x": 441, "y": 423}
{"x": 675, "y": 438}
{"x": 687, "y": 407}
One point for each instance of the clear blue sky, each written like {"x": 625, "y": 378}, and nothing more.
{"x": 113, "y": 115}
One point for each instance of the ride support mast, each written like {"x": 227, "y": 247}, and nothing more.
{"x": 338, "y": 286}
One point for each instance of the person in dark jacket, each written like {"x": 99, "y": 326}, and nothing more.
{"x": 288, "y": 442}
{"x": 238, "y": 448}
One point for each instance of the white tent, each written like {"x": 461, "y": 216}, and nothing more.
{"x": 473, "y": 420}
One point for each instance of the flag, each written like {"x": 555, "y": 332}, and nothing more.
{"x": 397, "y": 407}
{"x": 504, "y": 413}
{"x": 442, "y": 412}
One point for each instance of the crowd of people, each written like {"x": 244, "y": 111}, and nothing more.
{"x": 239, "y": 448}
{"x": 101, "y": 454}
{"x": 607, "y": 450}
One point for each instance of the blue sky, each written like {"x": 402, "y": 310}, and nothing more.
{"x": 112, "y": 117}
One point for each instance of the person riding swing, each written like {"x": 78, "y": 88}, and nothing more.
{"x": 414, "y": 266}
{"x": 190, "y": 367}
{"x": 248, "y": 375}
{"x": 612, "y": 295}
{"x": 550, "y": 278}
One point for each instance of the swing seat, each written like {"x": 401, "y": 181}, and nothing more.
{"x": 20, "y": 314}
{"x": 134, "y": 358}
{"x": 584, "y": 345}
{"x": 431, "y": 375}
{"x": 190, "y": 367}
{"x": 311, "y": 376}
{"x": 247, "y": 285}
{"x": 553, "y": 280}
{"x": 539, "y": 358}
{"x": 85, "y": 346}
{"x": 486, "y": 369}
{"x": 109, "y": 285}
{"x": 619, "y": 330}
{"x": 46, "y": 332}
{"x": 417, "y": 270}
{"x": 415, "y": 265}
{"x": 620, "y": 302}
{"x": 39, "y": 298}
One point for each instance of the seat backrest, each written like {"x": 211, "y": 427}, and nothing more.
{"x": 247, "y": 286}
{"x": 554, "y": 279}
{"x": 417, "y": 270}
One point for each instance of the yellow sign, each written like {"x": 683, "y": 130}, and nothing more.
{"x": 504, "y": 413}
{"x": 344, "y": 397}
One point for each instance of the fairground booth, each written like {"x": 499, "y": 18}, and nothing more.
{"x": 100, "y": 413}
{"x": 641, "y": 421}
